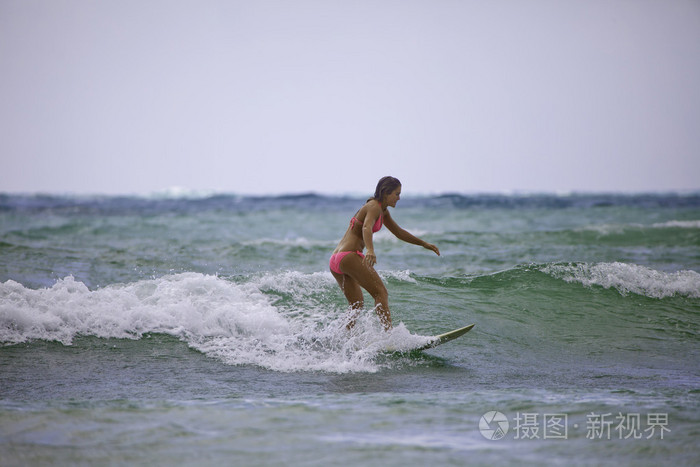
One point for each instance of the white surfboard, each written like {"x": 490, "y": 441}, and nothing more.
{"x": 446, "y": 337}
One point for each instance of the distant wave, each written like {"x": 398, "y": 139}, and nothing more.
{"x": 608, "y": 229}
{"x": 177, "y": 192}
{"x": 184, "y": 199}
{"x": 629, "y": 278}
{"x": 678, "y": 224}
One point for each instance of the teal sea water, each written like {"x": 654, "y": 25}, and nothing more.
{"x": 207, "y": 330}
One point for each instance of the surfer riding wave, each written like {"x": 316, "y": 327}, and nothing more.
{"x": 354, "y": 270}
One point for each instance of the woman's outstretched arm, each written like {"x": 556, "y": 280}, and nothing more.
{"x": 405, "y": 235}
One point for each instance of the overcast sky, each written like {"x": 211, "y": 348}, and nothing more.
{"x": 255, "y": 97}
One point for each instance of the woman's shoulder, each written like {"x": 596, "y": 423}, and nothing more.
{"x": 373, "y": 205}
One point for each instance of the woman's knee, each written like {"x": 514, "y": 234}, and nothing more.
{"x": 380, "y": 293}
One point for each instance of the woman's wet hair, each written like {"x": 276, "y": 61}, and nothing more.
{"x": 385, "y": 186}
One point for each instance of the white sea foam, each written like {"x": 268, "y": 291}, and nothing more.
{"x": 629, "y": 278}
{"x": 234, "y": 322}
{"x": 678, "y": 224}
{"x": 617, "y": 229}
{"x": 403, "y": 276}
{"x": 178, "y": 192}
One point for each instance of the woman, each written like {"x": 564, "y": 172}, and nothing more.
{"x": 353, "y": 270}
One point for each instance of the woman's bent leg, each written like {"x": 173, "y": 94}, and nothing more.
{"x": 353, "y": 293}
{"x": 368, "y": 279}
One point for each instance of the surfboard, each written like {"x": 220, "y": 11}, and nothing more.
{"x": 446, "y": 337}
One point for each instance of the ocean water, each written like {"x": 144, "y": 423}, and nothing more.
{"x": 207, "y": 330}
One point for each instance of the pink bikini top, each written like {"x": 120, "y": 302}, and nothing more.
{"x": 377, "y": 225}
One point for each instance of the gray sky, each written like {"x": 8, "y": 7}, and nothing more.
{"x": 287, "y": 96}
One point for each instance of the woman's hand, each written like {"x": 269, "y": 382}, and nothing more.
{"x": 370, "y": 260}
{"x": 432, "y": 247}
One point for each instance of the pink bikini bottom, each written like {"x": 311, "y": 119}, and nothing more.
{"x": 338, "y": 257}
